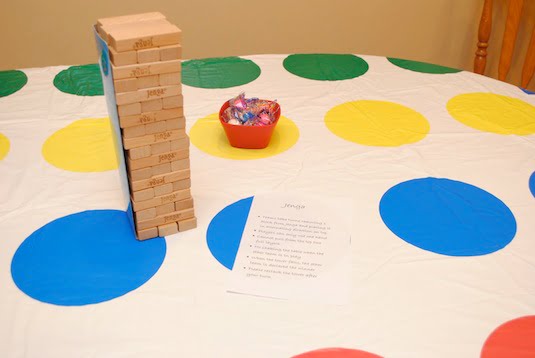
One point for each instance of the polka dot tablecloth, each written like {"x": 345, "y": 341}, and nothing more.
{"x": 439, "y": 164}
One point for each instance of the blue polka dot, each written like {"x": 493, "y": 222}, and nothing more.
{"x": 225, "y": 231}
{"x": 525, "y": 90}
{"x": 85, "y": 258}
{"x": 532, "y": 183}
{"x": 447, "y": 217}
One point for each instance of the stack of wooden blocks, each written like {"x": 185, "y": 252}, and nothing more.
{"x": 145, "y": 55}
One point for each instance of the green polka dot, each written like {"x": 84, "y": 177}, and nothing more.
{"x": 11, "y": 82}
{"x": 326, "y": 67}
{"x": 422, "y": 66}
{"x": 222, "y": 72}
{"x": 82, "y": 80}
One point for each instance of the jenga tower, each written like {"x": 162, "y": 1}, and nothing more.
{"x": 145, "y": 57}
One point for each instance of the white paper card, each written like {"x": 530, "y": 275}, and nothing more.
{"x": 295, "y": 246}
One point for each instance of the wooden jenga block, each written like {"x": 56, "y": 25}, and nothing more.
{"x": 140, "y": 152}
{"x": 156, "y": 127}
{"x": 180, "y": 143}
{"x": 141, "y": 174}
{"x": 146, "y": 194}
{"x": 166, "y": 79}
{"x": 158, "y": 159}
{"x": 163, "y": 91}
{"x": 165, "y": 209}
{"x": 150, "y": 117}
{"x": 167, "y": 229}
{"x": 148, "y": 55}
{"x": 147, "y": 94}
{"x": 148, "y": 81}
{"x": 149, "y": 233}
{"x": 146, "y": 69}
{"x": 163, "y": 189}
{"x": 146, "y": 214}
{"x": 173, "y": 102}
{"x": 159, "y": 180}
{"x": 144, "y": 34}
{"x": 123, "y": 58}
{"x": 102, "y": 32}
{"x": 118, "y": 20}
{"x": 136, "y": 131}
{"x": 180, "y": 164}
{"x": 182, "y": 184}
{"x": 152, "y": 105}
{"x": 126, "y": 85}
{"x": 187, "y": 224}
{"x": 163, "y": 168}
{"x": 129, "y": 109}
{"x": 161, "y": 200}
{"x": 171, "y": 52}
{"x": 175, "y": 123}
{"x": 160, "y": 148}
{"x": 184, "y": 204}
{"x": 166, "y": 219}
{"x": 130, "y": 143}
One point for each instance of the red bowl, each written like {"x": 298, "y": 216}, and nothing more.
{"x": 249, "y": 137}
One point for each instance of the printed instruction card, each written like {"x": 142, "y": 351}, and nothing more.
{"x": 296, "y": 247}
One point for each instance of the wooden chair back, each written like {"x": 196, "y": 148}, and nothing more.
{"x": 509, "y": 38}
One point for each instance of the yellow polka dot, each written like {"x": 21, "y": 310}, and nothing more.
{"x": 4, "y": 146}
{"x": 377, "y": 123}
{"x": 208, "y": 135}
{"x": 85, "y": 145}
{"x": 493, "y": 113}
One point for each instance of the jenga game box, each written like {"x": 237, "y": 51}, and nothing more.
{"x": 141, "y": 71}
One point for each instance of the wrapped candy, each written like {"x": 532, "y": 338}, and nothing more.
{"x": 250, "y": 111}
{"x": 238, "y": 102}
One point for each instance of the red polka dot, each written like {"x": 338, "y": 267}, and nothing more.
{"x": 513, "y": 339}
{"x": 337, "y": 353}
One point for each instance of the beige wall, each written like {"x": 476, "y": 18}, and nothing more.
{"x": 58, "y": 32}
